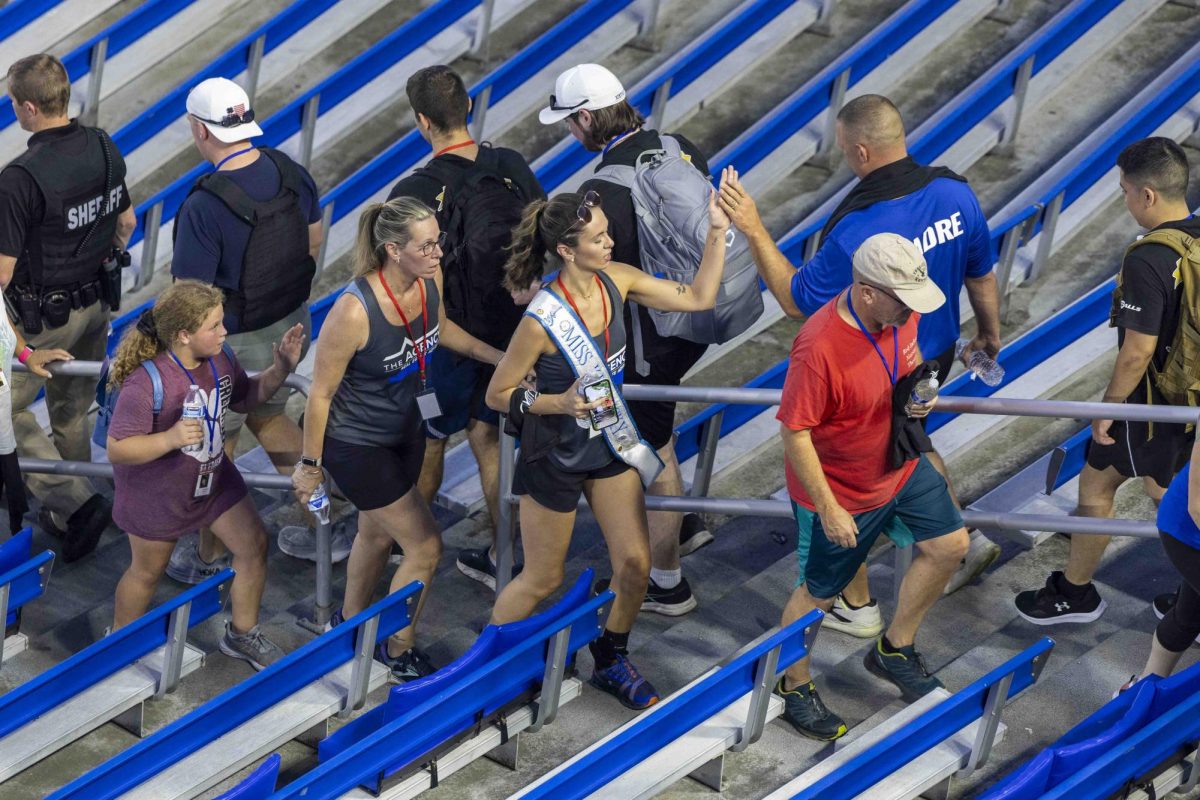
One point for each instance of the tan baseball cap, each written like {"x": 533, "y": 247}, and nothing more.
{"x": 890, "y": 261}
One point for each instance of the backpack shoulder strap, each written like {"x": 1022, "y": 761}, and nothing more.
{"x": 229, "y": 193}
{"x": 1175, "y": 239}
{"x": 156, "y": 385}
{"x": 620, "y": 174}
{"x": 229, "y": 354}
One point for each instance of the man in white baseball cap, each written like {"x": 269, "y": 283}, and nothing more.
{"x": 224, "y": 109}
{"x": 587, "y": 87}
{"x": 592, "y": 102}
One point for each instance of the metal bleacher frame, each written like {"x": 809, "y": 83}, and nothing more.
{"x": 922, "y": 749}
{"x": 688, "y": 733}
{"x": 110, "y": 680}
{"x": 461, "y": 702}
{"x": 23, "y": 578}
{"x": 292, "y": 698}
{"x": 88, "y": 58}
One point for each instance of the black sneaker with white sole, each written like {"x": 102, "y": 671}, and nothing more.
{"x": 693, "y": 534}
{"x": 1051, "y": 605}
{"x": 672, "y": 602}
{"x": 477, "y": 565}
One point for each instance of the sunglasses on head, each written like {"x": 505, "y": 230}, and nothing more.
{"x": 583, "y": 214}
{"x": 231, "y": 120}
{"x": 554, "y": 106}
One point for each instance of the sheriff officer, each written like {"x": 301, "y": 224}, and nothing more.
{"x": 65, "y": 218}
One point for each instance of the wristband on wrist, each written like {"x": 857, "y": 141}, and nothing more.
{"x": 25, "y": 353}
{"x": 528, "y": 399}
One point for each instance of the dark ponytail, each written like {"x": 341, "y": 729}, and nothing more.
{"x": 543, "y": 226}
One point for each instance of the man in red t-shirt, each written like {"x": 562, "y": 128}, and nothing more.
{"x": 836, "y": 423}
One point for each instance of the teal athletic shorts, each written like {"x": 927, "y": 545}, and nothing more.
{"x": 922, "y": 510}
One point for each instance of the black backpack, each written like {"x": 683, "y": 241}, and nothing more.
{"x": 277, "y": 269}
{"x": 479, "y": 209}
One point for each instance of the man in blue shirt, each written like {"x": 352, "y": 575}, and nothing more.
{"x": 937, "y": 210}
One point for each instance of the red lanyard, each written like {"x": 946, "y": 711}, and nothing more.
{"x": 454, "y": 147}
{"x": 417, "y": 346}
{"x": 575, "y": 308}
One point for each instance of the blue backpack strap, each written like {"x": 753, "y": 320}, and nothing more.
{"x": 157, "y": 385}
{"x": 228, "y": 351}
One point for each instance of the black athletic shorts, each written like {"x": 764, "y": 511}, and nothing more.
{"x": 373, "y": 476}
{"x": 655, "y": 419}
{"x": 1144, "y": 449}
{"x": 555, "y": 488}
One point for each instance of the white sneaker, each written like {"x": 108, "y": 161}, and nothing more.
{"x": 981, "y": 553}
{"x": 863, "y": 623}
{"x": 299, "y": 541}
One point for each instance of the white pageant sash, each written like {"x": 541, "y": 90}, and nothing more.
{"x": 571, "y": 336}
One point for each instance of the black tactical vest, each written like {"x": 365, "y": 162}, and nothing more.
{"x": 277, "y": 269}
{"x": 82, "y": 192}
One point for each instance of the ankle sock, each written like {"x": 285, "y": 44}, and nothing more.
{"x": 887, "y": 647}
{"x": 853, "y": 607}
{"x": 610, "y": 645}
{"x": 1073, "y": 591}
{"x": 666, "y": 578}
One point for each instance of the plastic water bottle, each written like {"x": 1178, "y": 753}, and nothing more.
{"x": 193, "y": 408}
{"x": 981, "y": 365}
{"x": 924, "y": 392}
{"x": 318, "y": 503}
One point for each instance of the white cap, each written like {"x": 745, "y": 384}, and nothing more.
{"x": 587, "y": 86}
{"x": 224, "y": 109}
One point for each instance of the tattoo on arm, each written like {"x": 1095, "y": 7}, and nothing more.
{"x": 681, "y": 289}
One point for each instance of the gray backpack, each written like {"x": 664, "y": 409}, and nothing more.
{"x": 670, "y": 198}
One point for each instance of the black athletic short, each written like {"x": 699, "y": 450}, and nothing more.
{"x": 1144, "y": 449}
{"x": 555, "y": 488}
{"x": 374, "y": 476}
{"x": 655, "y": 419}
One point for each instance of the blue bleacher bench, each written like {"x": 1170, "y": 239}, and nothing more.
{"x": 510, "y": 664}
{"x": 679, "y": 735}
{"x": 108, "y": 680}
{"x": 23, "y": 577}
{"x": 222, "y": 736}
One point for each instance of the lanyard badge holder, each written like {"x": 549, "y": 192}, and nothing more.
{"x": 208, "y": 467}
{"x": 427, "y": 402}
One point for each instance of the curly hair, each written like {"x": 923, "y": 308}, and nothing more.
{"x": 181, "y": 307}
{"x": 544, "y": 224}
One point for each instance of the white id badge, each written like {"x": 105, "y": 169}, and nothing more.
{"x": 427, "y": 404}
{"x": 204, "y": 483}
{"x": 3, "y": 380}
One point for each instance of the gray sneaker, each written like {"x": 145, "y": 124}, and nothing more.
{"x": 253, "y": 647}
{"x": 186, "y": 565}
{"x": 299, "y": 541}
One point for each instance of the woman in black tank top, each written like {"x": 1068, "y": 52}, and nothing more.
{"x": 363, "y": 417}
{"x": 573, "y": 228}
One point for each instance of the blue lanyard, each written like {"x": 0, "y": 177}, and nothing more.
{"x": 893, "y": 369}
{"x": 226, "y": 158}
{"x": 615, "y": 140}
{"x": 210, "y": 422}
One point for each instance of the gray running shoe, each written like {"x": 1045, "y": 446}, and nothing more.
{"x": 299, "y": 541}
{"x": 253, "y": 647}
{"x": 186, "y": 565}
{"x": 803, "y": 707}
{"x": 981, "y": 554}
{"x": 905, "y": 668}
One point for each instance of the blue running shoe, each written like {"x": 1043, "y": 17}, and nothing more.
{"x": 622, "y": 680}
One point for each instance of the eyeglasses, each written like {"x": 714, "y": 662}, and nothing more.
{"x": 885, "y": 291}
{"x": 554, "y": 106}
{"x": 232, "y": 119}
{"x": 439, "y": 243}
{"x": 583, "y": 214}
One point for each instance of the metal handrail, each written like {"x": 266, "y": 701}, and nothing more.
{"x": 507, "y": 521}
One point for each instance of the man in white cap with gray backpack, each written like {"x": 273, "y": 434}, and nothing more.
{"x": 641, "y": 170}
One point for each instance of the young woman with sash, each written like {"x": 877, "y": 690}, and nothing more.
{"x": 370, "y": 397}
{"x": 573, "y": 337}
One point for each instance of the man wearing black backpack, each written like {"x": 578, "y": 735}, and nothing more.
{"x": 253, "y": 229}
{"x": 592, "y": 102}
{"x": 478, "y": 192}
